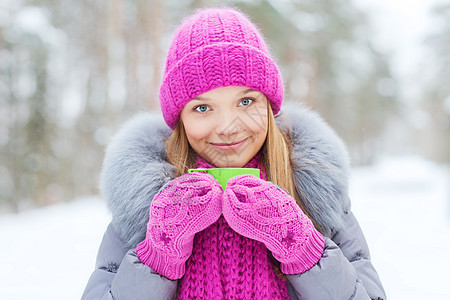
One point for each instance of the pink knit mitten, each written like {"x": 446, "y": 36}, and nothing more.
{"x": 260, "y": 210}
{"x": 187, "y": 205}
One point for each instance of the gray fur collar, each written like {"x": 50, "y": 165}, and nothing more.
{"x": 135, "y": 169}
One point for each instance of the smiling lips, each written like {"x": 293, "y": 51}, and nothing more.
{"x": 229, "y": 146}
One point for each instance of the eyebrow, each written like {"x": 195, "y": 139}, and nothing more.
{"x": 199, "y": 98}
{"x": 246, "y": 91}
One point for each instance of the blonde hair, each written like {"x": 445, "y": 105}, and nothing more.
{"x": 275, "y": 156}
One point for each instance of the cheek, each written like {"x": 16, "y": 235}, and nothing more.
{"x": 256, "y": 122}
{"x": 196, "y": 132}
{"x": 260, "y": 128}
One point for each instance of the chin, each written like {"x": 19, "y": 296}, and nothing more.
{"x": 231, "y": 163}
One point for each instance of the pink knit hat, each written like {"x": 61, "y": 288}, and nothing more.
{"x": 213, "y": 48}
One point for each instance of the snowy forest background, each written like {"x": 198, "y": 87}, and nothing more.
{"x": 72, "y": 72}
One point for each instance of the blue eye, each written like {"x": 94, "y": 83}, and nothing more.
{"x": 247, "y": 101}
{"x": 201, "y": 108}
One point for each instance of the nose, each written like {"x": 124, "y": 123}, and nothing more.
{"x": 228, "y": 124}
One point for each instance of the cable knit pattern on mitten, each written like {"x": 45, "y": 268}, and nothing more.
{"x": 227, "y": 265}
{"x": 187, "y": 205}
{"x": 260, "y": 210}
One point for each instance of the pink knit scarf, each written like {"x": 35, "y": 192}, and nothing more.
{"x": 226, "y": 265}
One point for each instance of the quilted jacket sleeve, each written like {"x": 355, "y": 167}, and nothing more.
{"x": 119, "y": 274}
{"x": 344, "y": 271}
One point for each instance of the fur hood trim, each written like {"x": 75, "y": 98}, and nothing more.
{"x": 135, "y": 168}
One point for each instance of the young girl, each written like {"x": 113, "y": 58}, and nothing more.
{"x": 289, "y": 234}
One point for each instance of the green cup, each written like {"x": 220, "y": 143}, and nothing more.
{"x": 224, "y": 174}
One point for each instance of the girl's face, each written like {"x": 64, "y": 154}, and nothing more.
{"x": 226, "y": 126}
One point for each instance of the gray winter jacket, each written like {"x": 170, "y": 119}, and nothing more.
{"x": 135, "y": 169}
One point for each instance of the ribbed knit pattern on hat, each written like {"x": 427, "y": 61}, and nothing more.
{"x": 217, "y": 47}
{"x": 227, "y": 265}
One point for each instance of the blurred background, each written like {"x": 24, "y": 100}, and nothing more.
{"x": 72, "y": 72}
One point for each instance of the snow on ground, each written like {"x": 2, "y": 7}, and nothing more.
{"x": 49, "y": 253}
{"x": 402, "y": 204}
